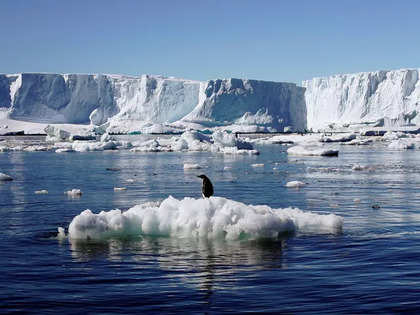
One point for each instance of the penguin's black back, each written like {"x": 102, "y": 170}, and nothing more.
{"x": 207, "y": 186}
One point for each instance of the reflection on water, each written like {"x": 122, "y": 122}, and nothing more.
{"x": 195, "y": 263}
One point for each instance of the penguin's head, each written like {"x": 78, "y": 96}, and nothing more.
{"x": 202, "y": 176}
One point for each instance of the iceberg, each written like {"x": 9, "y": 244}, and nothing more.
{"x": 388, "y": 98}
{"x": 152, "y": 104}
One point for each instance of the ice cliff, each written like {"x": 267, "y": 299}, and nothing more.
{"x": 391, "y": 98}
{"x": 134, "y": 101}
{"x": 157, "y": 104}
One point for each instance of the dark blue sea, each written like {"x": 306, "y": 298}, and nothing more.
{"x": 372, "y": 266}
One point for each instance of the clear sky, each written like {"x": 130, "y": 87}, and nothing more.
{"x": 199, "y": 39}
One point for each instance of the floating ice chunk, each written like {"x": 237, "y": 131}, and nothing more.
{"x": 359, "y": 142}
{"x": 339, "y": 138}
{"x": 41, "y": 192}
{"x": 235, "y": 150}
{"x": 214, "y": 217}
{"x": 188, "y": 166}
{"x": 295, "y": 184}
{"x": 258, "y": 165}
{"x": 227, "y": 168}
{"x": 359, "y": 167}
{"x": 401, "y": 144}
{"x": 35, "y": 148}
{"x": 106, "y": 137}
{"x": 130, "y": 180}
{"x": 311, "y": 151}
{"x": 391, "y": 135}
{"x": 61, "y": 233}
{"x": 62, "y": 150}
{"x": 5, "y": 177}
{"x": 356, "y": 200}
{"x": 54, "y": 134}
{"x": 119, "y": 188}
{"x": 74, "y": 192}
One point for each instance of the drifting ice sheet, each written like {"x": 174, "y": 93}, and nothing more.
{"x": 213, "y": 217}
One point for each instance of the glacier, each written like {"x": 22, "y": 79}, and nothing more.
{"x": 387, "y": 98}
{"x": 156, "y": 104}
{"x": 151, "y": 103}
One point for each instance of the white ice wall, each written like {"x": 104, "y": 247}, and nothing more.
{"x": 252, "y": 102}
{"x": 362, "y": 97}
{"x": 77, "y": 98}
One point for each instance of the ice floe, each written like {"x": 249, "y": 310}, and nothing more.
{"x": 401, "y": 144}
{"x": 188, "y": 166}
{"x": 74, "y": 192}
{"x": 214, "y": 217}
{"x": 301, "y": 150}
{"x": 295, "y": 184}
{"x": 41, "y": 192}
{"x": 5, "y": 177}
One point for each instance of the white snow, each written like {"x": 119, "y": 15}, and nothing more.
{"x": 210, "y": 218}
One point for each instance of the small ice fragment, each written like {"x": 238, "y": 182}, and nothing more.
{"x": 74, "y": 192}
{"x": 257, "y": 165}
{"x": 295, "y": 184}
{"x": 130, "y": 180}
{"x": 119, "y": 188}
{"x": 227, "y": 168}
{"x": 359, "y": 167}
{"x": 188, "y": 166}
{"x": 41, "y": 192}
{"x": 5, "y": 177}
{"x": 63, "y": 150}
{"x": 61, "y": 233}
{"x": 356, "y": 200}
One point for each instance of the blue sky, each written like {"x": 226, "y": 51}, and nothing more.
{"x": 268, "y": 40}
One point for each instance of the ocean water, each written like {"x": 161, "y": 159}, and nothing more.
{"x": 372, "y": 266}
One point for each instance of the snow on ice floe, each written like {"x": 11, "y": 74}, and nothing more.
{"x": 301, "y": 150}
{"x": 211, "y": 218}
{"x": 5, "y": 177}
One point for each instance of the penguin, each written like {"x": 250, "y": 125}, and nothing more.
{"x": 207, "y": 187}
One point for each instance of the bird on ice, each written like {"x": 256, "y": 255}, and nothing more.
{"x": 206, "y": 187}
